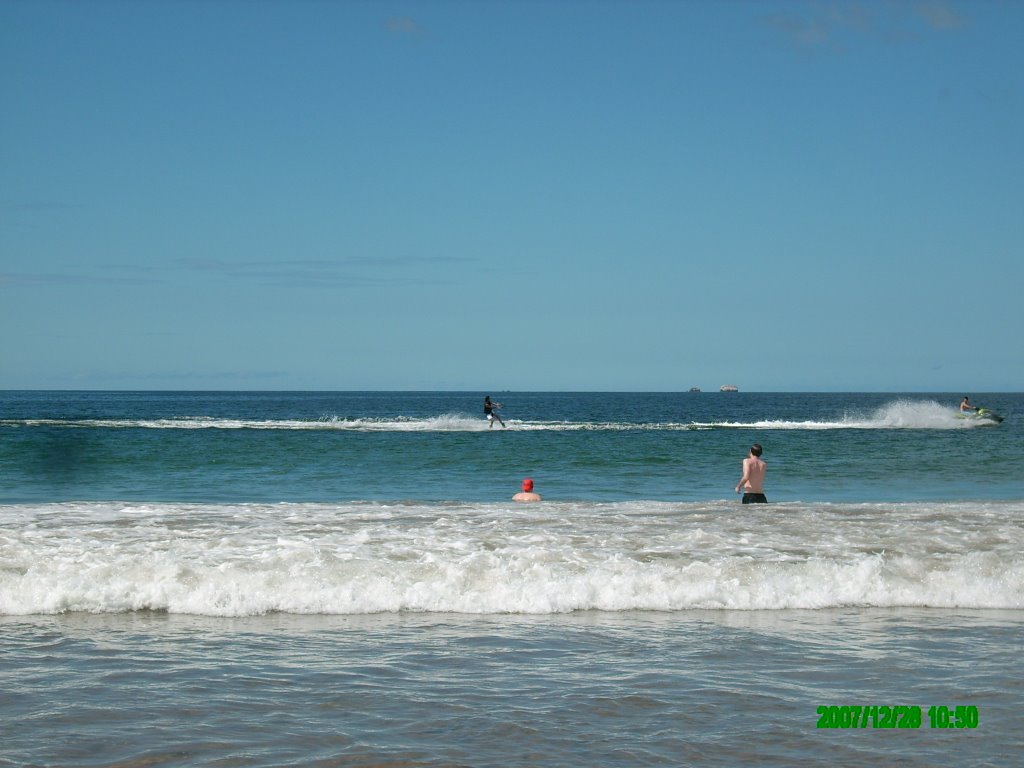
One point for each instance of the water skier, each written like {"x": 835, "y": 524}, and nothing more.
{"x": 489, "y": 412}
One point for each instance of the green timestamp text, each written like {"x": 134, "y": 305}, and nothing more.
{"x": 897, "y": 716}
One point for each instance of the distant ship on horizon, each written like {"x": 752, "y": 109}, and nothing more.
{"x": 729, "y": 388}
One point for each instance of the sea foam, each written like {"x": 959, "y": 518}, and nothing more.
{"x": 899, "y": 414}
{"x": 237, "y": 560}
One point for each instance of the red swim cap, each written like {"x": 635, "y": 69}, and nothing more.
{"x": 527, "y": 484}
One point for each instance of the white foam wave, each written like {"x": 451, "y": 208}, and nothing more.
{"x": 902, "y": 414}
{"x": 442, "y": 423}
{"x": 899, "y": 414}
{"x": 546, "y": 558}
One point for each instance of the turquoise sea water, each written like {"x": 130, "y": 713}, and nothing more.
{"x": 328, "y": 447}
{"x": 275, "y": 579}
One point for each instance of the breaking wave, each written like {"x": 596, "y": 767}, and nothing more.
{"x": 360, "y": 558}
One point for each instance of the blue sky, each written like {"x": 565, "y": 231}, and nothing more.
{"x": 512, "y": 195}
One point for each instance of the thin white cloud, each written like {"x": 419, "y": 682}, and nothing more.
{"x": 940, "y": 15}
{"x": 403, "y": 25}
{"x": 802, "y": 32}
{"x": 365, "y": 271}
{"x": 831, "y": 26}
{"x": 359, "y": 271}
{"x": 70, "y": 278}
{"x": 34, "y": 206}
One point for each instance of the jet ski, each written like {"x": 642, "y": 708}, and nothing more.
{"x": 981, "y": 414}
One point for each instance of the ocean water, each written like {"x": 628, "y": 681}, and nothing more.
{"x": 293, "y": 579}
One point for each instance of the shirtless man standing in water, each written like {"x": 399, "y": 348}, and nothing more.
{"x": 752, "y": 482}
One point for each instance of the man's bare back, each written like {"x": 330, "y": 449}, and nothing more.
{"x": 752, "y": 482}
{"x": 753, "y": 474}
